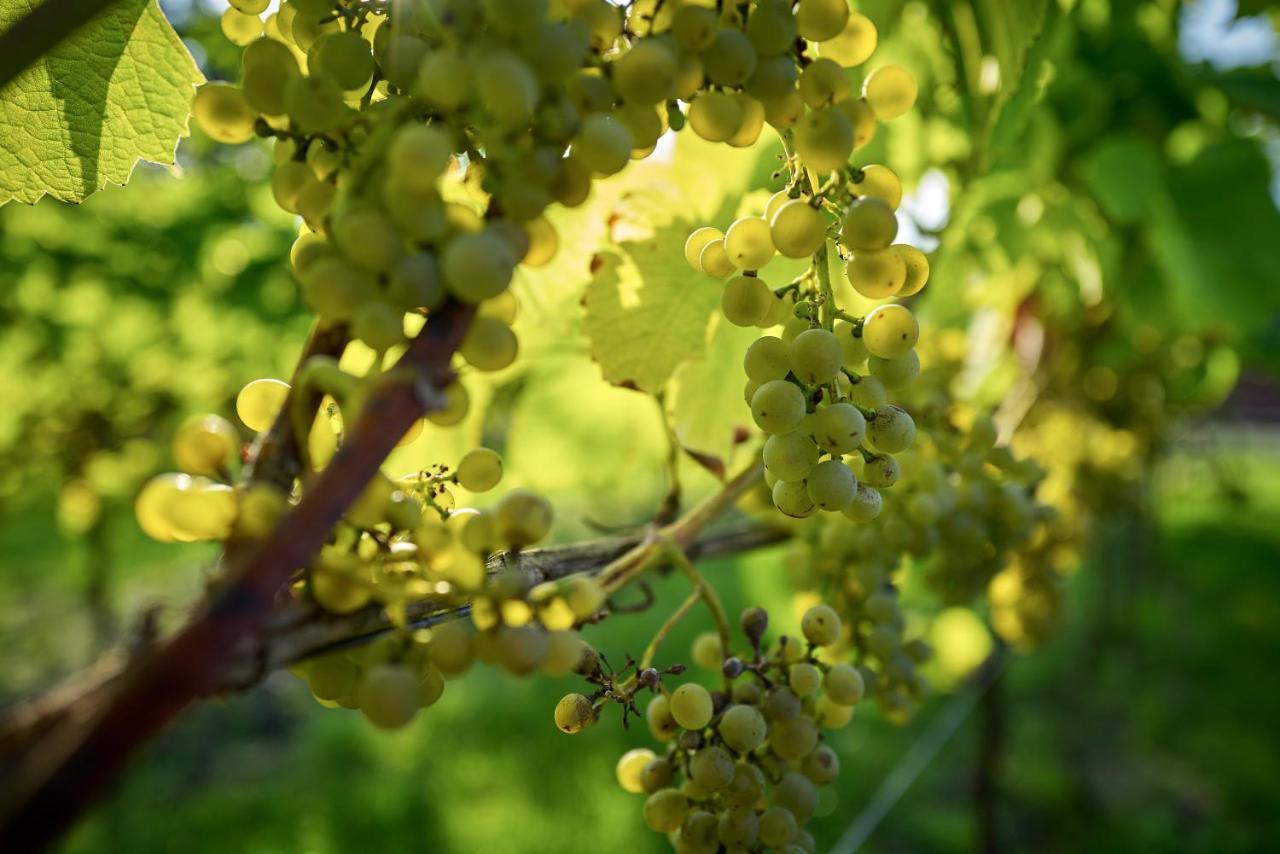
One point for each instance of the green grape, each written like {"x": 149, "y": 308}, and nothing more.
{"x": 745, "y": 300}
{"x": 480, "y": 535}
{"x": 694, "y": 27}
{"x": 822, "y": 766}
{"x": 851, "y": 344}
{"x": 823, "y": 83}
{"x": 738, "y": 827}
{"x": 785, "y": 111}
{"x": 604, "y": 20}
{"x": 268, "y": 67}
{"x": 707, "y": 651}
{"x": 865, "y": 505}
{"x": 556, "y": 50}
{"x": 418, "y": 155}
{"x": 832, "y": 715}
{"x": 523, "y": 517}
{"x": 240, "y": 28}
{"x": 305, "y": 28}
{"x": 342, "y": 57}
{"x": 868, "y": 393}
{"x": 389, "y": 695}
{"x": 798, "y": 229}
{"x": 861, "y": 120}
{"x": 603, "y": 144}
{"x": 778, "y": 407}
{"x": 890, "y": 331}
{"x": 820, "y": 20}
{"x": 444, "y": 80}
{"x": 415, "y": 283}
{"x": 665, "y": 810}
{"x": 656, "y": 774}
{"x": 779, "y": 311}
{"x": 804, "y": 679}
{"x": 824, "y": 140}
{"x": 831, "y": 485}
{"x": 868, "y": 224}
{"x": 646, "y": 74}
{"x": 315, "y": 104}
{"x": 324, "y": 158}
{"x": 880, "y": 182}
{"x": 399, "y": 57}
{"x": 251, "y": 7}
{"x": 479, "y": 470}
{"x": 430, "y": 687}
{"x": 522, "y": 650}
{"x": 854, "y": 44}
{"x": 662, "y": 726}
{"x": 771, "y": 28}
{"x": 895, "y": 373}
{"x": 456, "y": 404}
{"x": 314, "y": 200}
{"x": 313, "y": 8}
{"x": 752, "y": 121}
{"x": 453, "y": 647}
{"x": 335, "y": 289}
{"x": 711, "y": 768}
{"x": 698, "y": 240}
{"x": 477, "y": 266}
{"x": 816, "y": 356}
{"x": 876, "y": 275}
{"x": 691, "y": 706}
{"x": 507, "y": 88}
{"x": 768, "y": 358}
{"x": 791, "y": 738}
{"x": 776, "y": 201}
{"x": 843, "y": 684}
{"x": 630, "y": 769}
{"x": 881, "y": 471}
{"x": 892, "y": 429}
{"x": 729, "y": 60}
{"x": 544, "y": 243}
{"x": 890, "y": 91}
{"x": 223, "y": 113}
{"x": 332, "y": 677}
{"x": 699, "y": 834}
{"x": 743, "y": 728}
{"x": 917, "y": 267}
{"x": 366, "y": 238}
{"x": 839, "y": 428}
{"x": 714, "y": 261}
{"x": 792, "y": 498}
{"x": 776, "y": 77}
{"x": 748, "y": 243}
{"x": 821, "y": 625}
{"x": 796, "y": 794}
{"x": 590, "y": 92}
{"x": 151, "y": 507}
{"x": 489, "y": 344}
{"x": 790, "y": 456}
{"x": 644, "y": 124}
{"x": 206, "y": 444}
{"x": 715, "y": 116}
{"x": 259, "y": 402}
{"x": 574, "y": 713}
{"x": 204, "y": 511}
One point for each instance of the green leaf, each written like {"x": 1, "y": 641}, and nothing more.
{"x": 707, "y": 404}
{"x": 116, "y": 92}
{"x": 1009, "y": 116}
{"x": 1124, "y": 174}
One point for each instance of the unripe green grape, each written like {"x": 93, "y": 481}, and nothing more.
{"x": 776, "y": 201}
{"x": 707, "y": 651}
{"x": 646, "y": 74}
{"x": 251, "y": 7}
{"x": 711, "y": 768}
{"x": 415, "y": 283}
{"x": 456, "y": 404}
{"x": 745, "y": 300}
{"x": 152, "y": 507}
{"x": 738, "y": 828}
{"x": 831, "y": 485}
{"x": 332, "y": 677}
{"x": 824, "y": 140}
{"x": 223, "y": 113}
{"x": 343, "y": 57}
{"x": 268, "y": 67}
{"x": 603, "y": 144}
{"x": 861, "y": 120}
{"x": 892, "y": 430}
{"x": 507, "y": 89}
{"x": 419, "y": 214}
{"x": 574, "y": 713}
{"x": 785, "y": 111}
{"x": 843, "y": 684}
{"x": 822, "y": 766}
{"x": 730, "y": 59}
{"x": 816, "y": 356}
{"x": 890, "y": 331}
{"x": 691, "y": 706}
{"x": 771, "y": 27}
{"x": 315, "y": 104}
{"x": 644, "y": 124}
{"x": 890, "y": 91}
{"x": 453, "y": 647}
{"x": 479, "y": 470}
{"x": 822, "y": 83}
{"x": 832, "y": 715}
{"x": 779, "y": 311}
{"x": 748, "y": 243}
{"x": 776, "y": 77}
{"x": 662, "y": 726}
{"x": 259, "y": 402}
{"x": 798, "y": 229}
{"x": 656, "y": 774}
{"x": 895, "y": 373}
{"x": 790, "y": 456}
{"x": 743, "y": 728}
{"x": 630, "y": 768}
{"x": 715, "y": 262}
{"x": 880, "y": 182}
{"x": 855, "y": 351}
{"x": 589, "y": 92}
{"x": 793, "y": 737}
{"x": 804, "y": 679}
{"x": 839, "y": 428}
{"x": 698, "y": 834}
{"x": 240, "y": 28}
{"x": 523, "y": 517}
{"x": 697, "y": 241}
{"x": 865, "y": 506}
{"x": 480, "y": 535}
{"x": 694, "y": 27}
{"x": 305, "y": 28}
{"x": 792, "y": 498}
{"x": 868, "y": 225}
{"x": 335, "y": 289}
{"x": 323, "y": 157}
{"x": 923, "y": 509}
{"x": 205, "y": 444}
{"x": 868, "y": 392}
{"x": 602, "y": 19}
{"x": 544, "y": 243}
{"x": 768, "y": 358}
{"x": 389, "y": 695}
{"x": 367, "y": 238}
{"x": 797, "y": 794}
{"x": 418, "y": 155}
{"x": 444, "y": 80}
{"x": 522, "y": 649}
{"x": 315, "y": 198}
{"x": 917, "y": 267}
{"x": 689, "y": 76}
{"x": 854, "y": 44}
{"x": 430, "y": 687}
{"x": 715, "y": 116}
{"x": 314, "y": 8}
{"x": 751, "y": 124}
{"x": 876, "y": 275}
{"x": 749, "y": 391}
{"x": 306, "y": 250}
{"x": 820, "y": 20}
{"x": 665, "y": 810}
{"x": 489, "y": 344}
{"x": 477, "y": 266}
{"x": 881, "y": 471}
{"x": 399, "y": 56}
{"x": 821, "y": 625}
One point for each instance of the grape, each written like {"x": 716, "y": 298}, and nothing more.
{"x": 603, "y": 144}
{"x": 768, "y": 358}
{"x": 223, "y": 113}
{"x": 152, "y": 506}
{"x": 890, "y": 91}
{"x": 418, "y": 155}
{"x": 714, "y": 261}
{"x": 839, "y": 428}
{"x": 314, "y": 104}
{"x": 574, "y": 713}
{"x": 715, "y": 116}
{"x": 665, "y": 810}
{"x": 656, "y": 774}
{"x": 861, "y": 120}
{"x": 868, "y": 224}
{"x": 335, "y": 290}
{"x": 881, "y": 471}
{"x": 239, "y": 28}
{"x": 831, "y": 485}
{"x": 444, "y": 80}
{"x": 790, "y": 456}
{"x": 771, "y": 27}
{"x": 804, "y": 679}
{"x": 662, "y": 726}
{"x": 630, "y": 768}
{"x": 775, "y": 78}
{"x": 816, "y": 356}
{"x": 707, "y": 651}
{"x": 822, "y": 766}
{"x": 891, "y": 430}
{"x": 851, "y": 344}
{"x": 691, "y": 706}
{"x": 865, "y": 505}
{"x": 479, "y": 470}
{"x": 879, "y": 182}
{"x": 507, "y": 88}
{"x": 745, "y": 300}
{"x": 522, "y": 649}
{"x": 251, "y": 7}
{"x": 895, "y": 373}
{"x": 453, "y": 647}
{"x": 711, "y": 768}
{"x": 489, "y": 344}
{"x": 890, "y": 331}
{"x": 820, "y": 20}
{"x": 792, "y": 738}
{"x": 868, "y": 393}
{"x": 415, "y": 283}
{"x": 792, "y": 498}
{"x": 399, "y": 57}
{"x": 798, "y": 229}
{"x": 603, "y": 20}
{"x": 824, "y": 140}
{"x": 876, "y": 275}
{"x": 843, "y": 684}
{"x": 785, "y": 111}
{"x": 694, "y": 27}
{"x": 332, "y": 677}
{"x": 206, "y": 444}
{"x": 324, "y": 158}
{"x": 743, "y": 728}
{"x": 823, "y": 83}
{"x": 751, "y": 124}
{"x": 778, "y": 406}
{"x": 697, "y": 241}
{"x": 342, "y": 57}
{"x": 738, "y": 828}
{"x": 584, "y": 596}
{"x": 477, "y": 266}
{"x": 367, "y": 239}
{"x": 917, "y": 267}
{"x": 646, "y": 74}
{"x": 796, "y": 794}
{"x": 430, "y": 687}
{"x": 268, "y": 66}
{"x": 698, "y": 834}
{"x": 832, "y": 715}
{"x": 259, "y": 402}
{"x": 523, "y": 517}
{"x": 821, "y": 625}
{"x": 854, "y": 44}
{"x": 730, "y": 59}
{"x": 389, "y": 695}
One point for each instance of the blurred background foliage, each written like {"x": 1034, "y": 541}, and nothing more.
{"x": 1098, "y": 180}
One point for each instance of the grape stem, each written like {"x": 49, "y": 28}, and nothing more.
{"x": 708, "y": 593}
{"x": 651, "y": 651}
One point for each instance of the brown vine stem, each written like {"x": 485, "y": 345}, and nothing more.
{"x": 57, "y": 779}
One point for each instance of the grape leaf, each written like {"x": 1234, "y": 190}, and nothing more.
{"x": 707, "y": 406}
{"x": 117, "y": 91}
